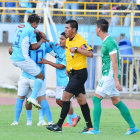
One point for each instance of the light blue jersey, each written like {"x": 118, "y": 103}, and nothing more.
{"x": 36, "y": 55}
{"x": 62, "y": 79}
{"x": 24, "y": 36}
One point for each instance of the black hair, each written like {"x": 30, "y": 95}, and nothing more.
{"x": 63, "y": 33}
{"x": 34, "y": 18}
{"x": 38, "y": 36}
{"x": 102, "y": 24}
{"x": 73, "y": 24}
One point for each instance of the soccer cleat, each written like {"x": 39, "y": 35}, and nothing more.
{"x": 132, "y": 130}
{"x": 75, "y": 121}
{"x": 29, "y": 123}
{"x": 54, "y": 128}
{"x": 91, "y": 131}
{"x": 87, "y": 129}
{"x": 34, "y": 102}
{"x": 42, "y": 123}
{"x": 14, "y": 123}
{"x": 66, "y": 125}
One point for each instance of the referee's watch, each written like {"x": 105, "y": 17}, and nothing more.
{"x": 76, "y": 48}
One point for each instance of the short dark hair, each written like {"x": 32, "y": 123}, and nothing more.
{"x": 38, "y": 36}
{"x": 102, "y": 24}
{"x": 34, "y": 18}
{"x": 73, "y": 24}
{"x": 63, "y": 33}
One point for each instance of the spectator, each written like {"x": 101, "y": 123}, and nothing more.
{"x": 26, "y": 4}
{"x": 13, "y": 18}
{"x": 71, "y": 6}
{"x": 116, "y": 20}
{"x": 92, "y": 6}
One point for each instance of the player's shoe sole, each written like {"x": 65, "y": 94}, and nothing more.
{"x": 76, "y": 120}
{"x": 34, "y": 102}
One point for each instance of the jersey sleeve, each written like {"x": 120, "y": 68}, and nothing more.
{"x": 48, "y": 49}
{"x": 54, "y": 46}
{"x": 32, "y": 37}
{"x": 111, "y": 47}
{"x": 85, "y": 46}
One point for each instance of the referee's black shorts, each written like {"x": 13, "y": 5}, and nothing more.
{"x": 77, "y": 79}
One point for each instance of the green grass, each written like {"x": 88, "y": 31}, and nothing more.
{"x": 112, "y": 126}
{"x": 6, "y": 90}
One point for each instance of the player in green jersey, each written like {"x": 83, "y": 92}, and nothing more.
{"x": 109, "y": 83}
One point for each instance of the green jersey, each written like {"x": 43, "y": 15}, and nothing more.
{"x": 109, "y": 46}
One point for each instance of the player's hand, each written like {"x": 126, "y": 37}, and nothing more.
{"x": 118, "y": 86}
{"x": 10, "y": 50}
{"x": 72, "y": 49}
{"x": 43, "y": 61}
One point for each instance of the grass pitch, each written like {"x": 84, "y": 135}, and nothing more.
{"x": 112, "y": 126}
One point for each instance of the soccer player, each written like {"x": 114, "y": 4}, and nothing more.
{"x": 77, "y": 52}
{"x": 62, "y": 79}
{"x": 25, "y": 86}
{"x": 24, "y": 36}
{"x": 109, "y": 83}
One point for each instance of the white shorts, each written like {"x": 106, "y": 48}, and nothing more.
{"x": 106, "y": 86}
{"x": 25, "y": 87}
{"x": 28, "y": 66}
{"x": 59, "y": 92}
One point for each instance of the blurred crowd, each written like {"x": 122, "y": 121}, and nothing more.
{"x": 22, "y": 14}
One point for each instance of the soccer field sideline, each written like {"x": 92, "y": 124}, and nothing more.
{"x": 106, "y": 103}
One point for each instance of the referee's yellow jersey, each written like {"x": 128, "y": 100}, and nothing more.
{"x": 76, "y": 60}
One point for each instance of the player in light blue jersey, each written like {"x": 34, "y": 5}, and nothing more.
{"x": 25, "y": 86}
{"x": 62, "y": 79}
{"x": 24, "y": 37}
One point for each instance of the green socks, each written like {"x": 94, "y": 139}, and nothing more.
{"x": 96, "y": 112}
{"x": 125, "y": 113}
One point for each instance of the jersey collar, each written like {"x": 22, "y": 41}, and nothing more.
{"x": 106, "y": 38}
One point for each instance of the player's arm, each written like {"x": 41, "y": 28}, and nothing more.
{"x": 58, "y": 66}
{"x": 38, "y": 44}
{"x": 115, "y": 70}
{"x": 84, "y": 51}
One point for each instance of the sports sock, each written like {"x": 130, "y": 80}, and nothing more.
{"x": 36, "y": 87}
{"x": 69, "y": 119}
{"x": 86, "y": 113}
{"x": 46, "y": 110}
{"x": 96, "y": 112}
{"x": 125, "y": 113}
{"x": 64, "y": 112}
{"x": 29, "y": 115}
{"x": 18, "y": 108}
{"x": 41, "y": 115}
{"x": 74, "y": 115}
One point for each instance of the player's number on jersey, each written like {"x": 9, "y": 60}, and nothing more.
{"x": 18, "y": 37}
{"x": 39, "y": 54}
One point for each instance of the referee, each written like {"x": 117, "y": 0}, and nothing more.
{"x": 77, "y": 52}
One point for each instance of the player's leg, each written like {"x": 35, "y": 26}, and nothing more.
{"x": 29, "y": 66}
{"x": 45, "y": 110}
{"x": 23, "y": 89}
{"x": 81, "y": 98}
{"x": 28, "y": 107}
{"x": 126, "y": 114}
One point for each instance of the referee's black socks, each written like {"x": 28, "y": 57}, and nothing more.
{"x": 64, "y": 112}
{"x": 86, "y": 114}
